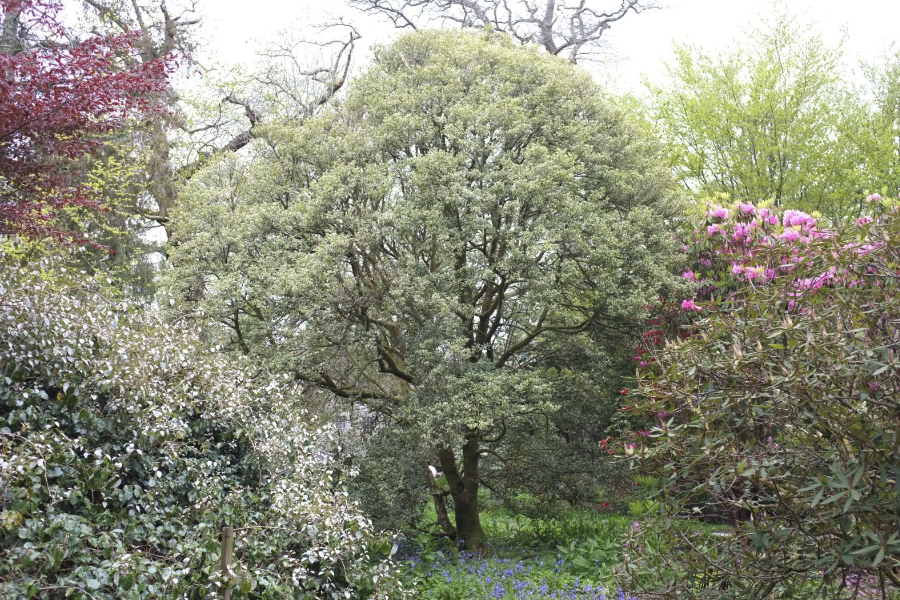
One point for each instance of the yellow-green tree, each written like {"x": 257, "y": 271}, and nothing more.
{"x": 764, "y": 120}
{"x": 875, "y": 133}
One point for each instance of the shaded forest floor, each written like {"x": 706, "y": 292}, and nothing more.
{"x": 569, "y": 557}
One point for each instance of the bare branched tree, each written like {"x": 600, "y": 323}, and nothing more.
{"x": 300, "y": 77}
{"x": 570, "y": 28}
{"x": 297, "y": 78}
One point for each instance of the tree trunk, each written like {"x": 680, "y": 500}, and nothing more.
{"x": 440, "y": 504}
{"x": 464, "y": 489}
{"x": 9, "y": 36}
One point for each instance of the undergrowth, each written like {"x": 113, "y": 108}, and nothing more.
{"x": 570, "y": 557}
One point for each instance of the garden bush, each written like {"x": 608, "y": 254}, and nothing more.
{"x": 126, "y": 447}
{"x": 778, "y": 412}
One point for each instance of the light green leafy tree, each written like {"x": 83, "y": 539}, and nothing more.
{"x": 765, "y": 120}
{"x": 412, "y": 249}
{"x": 875, "y": 133}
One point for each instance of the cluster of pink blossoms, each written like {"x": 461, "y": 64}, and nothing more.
{"x": 749, "y": 247}
{"x": 689, "y": 305}
{"x": 739, "y": 243}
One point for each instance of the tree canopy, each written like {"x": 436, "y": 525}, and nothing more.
{"x": 765, "y": 120}
{"x": 56, "y": 98}
{"x": 411, "y": 249}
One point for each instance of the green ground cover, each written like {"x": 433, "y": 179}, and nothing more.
{"x": 568, "y": 557}
{"x": 572, "y": 556}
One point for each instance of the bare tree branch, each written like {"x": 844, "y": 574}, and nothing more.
{"x": 571, "y": 27}
{"x": 303, "y": 76}
{"x": 299, "y": 91}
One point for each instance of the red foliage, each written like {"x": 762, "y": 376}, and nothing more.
{"x": 56, "y": 99}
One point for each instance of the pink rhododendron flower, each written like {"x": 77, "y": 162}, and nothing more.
{"x": 737, "y": 269}
{"x": 719, "y": 213}
{"x": 689, "y": 305}
{"x": 873, "y": 198}
{"x": 864, "y": 220}
{"x": 790, "y": 235}
{"x": 792, "y": 218}
{"x": 753, "y": 272}
{"x": 866, "y": 248}
{"x": 740, "y": 232}
{"x": 747, "y": 209}
{"x": 713, "y": 230}
{"x": 689, "y": 275}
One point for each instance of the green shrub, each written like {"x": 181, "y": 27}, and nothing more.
{"x": 126, "y": 447}
{"x": 780, "y": 415}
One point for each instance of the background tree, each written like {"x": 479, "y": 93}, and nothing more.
{"x": 413, "y": 248}
{"x": 573, "y": 29}
{"x": 875, "y": 132}
{"x": 181, "y": 142}
{"x": 56, "y": 99}
{"x": 129, "y": 178}
{"x": 763, "y": 121}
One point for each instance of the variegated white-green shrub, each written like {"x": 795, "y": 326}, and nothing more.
{"x": 126, "y": 446}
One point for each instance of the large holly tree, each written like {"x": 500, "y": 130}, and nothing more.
{"x": 425, "y": 249}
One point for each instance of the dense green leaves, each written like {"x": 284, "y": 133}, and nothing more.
{"x": 412, "y": 249}
{"x": 126, "y": 447}
{"x": 780, "y": 417}
{"x": 768, "y": 120}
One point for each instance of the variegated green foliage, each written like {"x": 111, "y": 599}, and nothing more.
{"x": 126, "y": 446}
{"x": 415, "y": 247}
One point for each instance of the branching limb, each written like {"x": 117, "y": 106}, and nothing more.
{"x": 571, "y": 26}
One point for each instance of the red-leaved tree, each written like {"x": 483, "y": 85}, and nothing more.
{"x": 58, "y": 97}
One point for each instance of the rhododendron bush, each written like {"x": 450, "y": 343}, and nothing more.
{"x": 777, "y": 410}
{"x": 125, "y": 447}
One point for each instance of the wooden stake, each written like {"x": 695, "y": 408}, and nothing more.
{"x": 225, "y": 558}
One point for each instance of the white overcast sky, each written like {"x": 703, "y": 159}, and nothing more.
{"x": 235, "y": 28}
